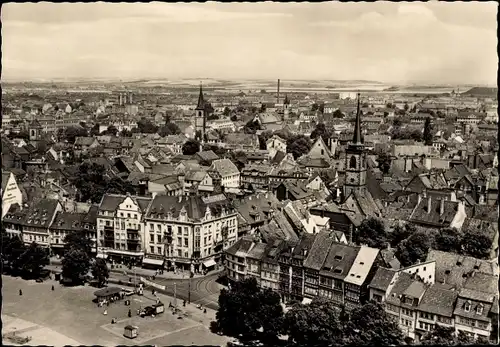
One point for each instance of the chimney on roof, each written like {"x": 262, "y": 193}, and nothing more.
{"x": 429, "y": 205}
{"x": 441, "y": 207}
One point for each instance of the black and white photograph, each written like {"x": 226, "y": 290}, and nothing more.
{"x": 263, "y": 174}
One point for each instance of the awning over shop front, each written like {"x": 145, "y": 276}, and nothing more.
{"x": 150, "y": 261}
{"x": 102, "y": 256}
{"x": 209, "y": 263}
{"x": 306, "y": 301}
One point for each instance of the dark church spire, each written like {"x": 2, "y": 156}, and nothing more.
{"x": 357, "y": 140}
{"x": 286, "y": 102}
{"x": 201, "y": 101}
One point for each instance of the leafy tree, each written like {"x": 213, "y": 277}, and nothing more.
{"x": 245, "y": 308}
{"x": 239, "y": 158}
{"x": 220, "y": 151}
{"x": 372, "y": 233}
{"x": 338, "y": 114}
{"x": 100, "y": 271}
{"x": 112, "y": 130}
{"x": 226, "y": 111}
{"x": 316, "y": 324}
{"x": 145, "y": 126}
{"x": 427, "y": 137}
{"x": 400, "y": 233}
{"x": 263, "y": 108}
{"x": 448, "y": 240}
{"x": 190, "y": 147}
{"x": 476, "y": 244}
{"x": 322, "y": 131}
{"x": 94, "y": 131}
{"x": 314, "y": 107}
{"x": 397, "y": 122}
{"x": 75, "y": 265}
{"x": 169, "y": 129}
{"x": 384, "y": 162}
{"x": 439, "y": 336}
{"x": 72, "y": 132}
{"x": 251, "y": 127}
{"x": 12, "y": 249}
{"x": 263, "y": 137}
{"x": 406, "y": 107}
{"x": 33, "y": 259}
{"x": 414, "y": 248}
{"x": 77, "y": 240}
{"x": 126, "y": 133}
{"x": 370, "y": 325}
{"x": 212, "y": 117}
{"x": 234, "y": 118}
{"x": 298, "y": 146}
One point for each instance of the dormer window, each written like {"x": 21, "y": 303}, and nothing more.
{"x": 467, "y": 306}
{"x": 479, "y": 309}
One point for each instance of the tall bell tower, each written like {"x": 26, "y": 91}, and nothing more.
{"x": 200, "y": 117}
{"x": 355, "y": 160}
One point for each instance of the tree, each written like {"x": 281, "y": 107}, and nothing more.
{"x": 298, "y": 146}
{"x": 251, "y": 127}
{"x": 439, "y": 336}
{"x": 190, "y": 147}
{"x": 427, "y": 137}
{"x": 234, "y": 118}
{"x": 112, "y": 130}
{"x": 75, "y": 265}
{"x": 72, "y": 132}
{"x": 384, "y": 162}
{"x": 338, "y": 114}
{"x": 316, "y": 324}
{"x": 94, "y": 131}
{"x": 263, "y": 137}
{"x": 372, "y": 233}
{"x": 126, "y": 133}
{"x": 77, "y": 240}
{"x": 448, "y": 240}
{"x": 145, "y": 126}
{"x": 322, "y": 131}
{"x": 226, "y": 111}
{"x": 397, "y": 122}
{"x": 406, "y": 107}
{"x": 169, "y": 129}
{"x": 476, "y": 244}
{"x": 369, "y": 324}
{"x": 212, "y": 117}
{"x": 241, "y": 310}
{"x": 12, "y": 249}
{"x": 400, "y": 233}
{"x": 100, "y": 271}
{"x": 414, "y": 248}
{"x": 314, "y": 107}
{"x": 239, "y": 158}
{"x": 32, "y": 261}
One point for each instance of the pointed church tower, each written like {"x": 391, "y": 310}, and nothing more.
{"x": 286, "y": 108}
{"x": 200, "y": 116}
{"x": 355, "y": 160}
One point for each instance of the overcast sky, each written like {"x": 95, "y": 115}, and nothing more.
{"x": 383, "y": 41}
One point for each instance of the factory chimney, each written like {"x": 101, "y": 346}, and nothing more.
{"x": 278, "y": 95}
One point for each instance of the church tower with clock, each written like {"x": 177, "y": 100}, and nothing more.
{"x": 355, "y": 160}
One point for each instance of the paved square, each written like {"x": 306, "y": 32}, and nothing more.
{"x": 69, "y": 315}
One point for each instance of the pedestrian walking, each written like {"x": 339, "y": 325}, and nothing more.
{"x": 204, "y": 310}
{"x": 20, "y": 292}
{"x": 129, "y": 313}
{"x": 52, "y": 288}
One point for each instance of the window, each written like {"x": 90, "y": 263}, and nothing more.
{"x": 128, "y": 215}
{"x": 158, "y": 249}
{"x": 179, "y": 242}
{"x": 467, "y": 306}
{"x": 179, "y": 253}
{"x": 352, "y": 162}
{"x": 186, "y": 242}
{"x": 158, "y": 238}
{"x": 152, "y": 249}
{"x": 152, "y": 238}
{"x": 479, "y": 309}
{"x": 179, "y": 230}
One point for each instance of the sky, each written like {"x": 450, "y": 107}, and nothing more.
{"x": 391, "y": 42}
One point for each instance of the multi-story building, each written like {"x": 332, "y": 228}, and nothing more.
{"x": 229, "y": 173}
{"x": 64, "y": 224}
{"x": 37, "y": 219}
{"x": 237, "y": 264}
{"x": 190, "y": 231}
{"x": 120, "y": 227}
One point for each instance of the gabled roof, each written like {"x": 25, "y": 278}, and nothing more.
{"x": 225, "y": 167}
{"x": 319, "y": 251}
{"x": 339, "y": 261}
{"x": 438, "y": 299}
{"x": 362, "y": 265}
{"x": 382, "y": 278}
{"x": 68, "y": 221}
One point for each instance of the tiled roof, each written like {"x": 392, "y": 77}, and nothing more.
{"x": 257, "y": 252}
{"x": 68, "y": 221}
{"x": 5, "y": 178}
{"x": 225, "y": 167}
{"x": 207, "y": 155}
{"x": 40, "y": 214}
{"x": 403, "y": 281}
{"x": 439, "y": 300}
{"x": 451, "y": 267}
{"x": 240, "y": 248}
{"x": 362, "y": 265}
{"x": 339, "y": 260}
{"x": 194, "y": 206}
{"x": 382, "y": 278}
{"x": 433, "y": 217}
{"x": 319, "y": 251}
{"x": 473, "y": 311}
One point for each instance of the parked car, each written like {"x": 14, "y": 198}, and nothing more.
{"x": 39, "y": 280}
{"x": 127, "y": 291}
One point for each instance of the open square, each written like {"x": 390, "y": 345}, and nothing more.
{"x": 68, "y": 316}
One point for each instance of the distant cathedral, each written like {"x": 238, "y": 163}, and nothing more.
{"x": 201, "y": 117}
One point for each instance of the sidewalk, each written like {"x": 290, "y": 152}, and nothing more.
{"x": 140, "y": 272}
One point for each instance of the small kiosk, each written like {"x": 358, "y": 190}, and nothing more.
{"x": 106, "y": 294}
{"x": 131, "y": 331}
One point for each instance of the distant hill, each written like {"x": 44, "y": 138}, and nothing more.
{"x": 482, "y": 91}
